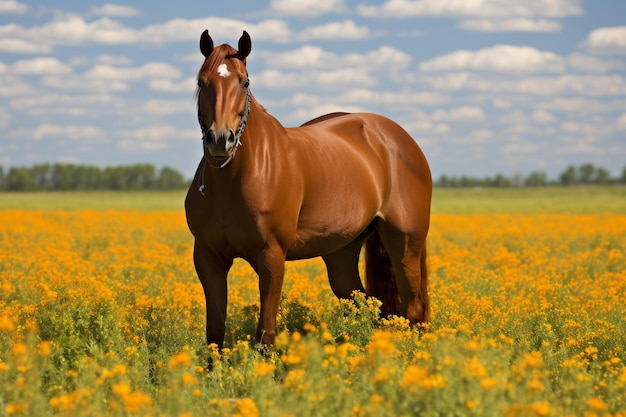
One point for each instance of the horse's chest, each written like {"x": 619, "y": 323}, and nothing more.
{"x": 227, "y": 230}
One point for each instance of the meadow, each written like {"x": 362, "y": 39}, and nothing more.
{"x": 101, "y": 314}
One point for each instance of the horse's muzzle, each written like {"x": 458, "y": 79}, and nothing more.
{"x": 220, "y": 145}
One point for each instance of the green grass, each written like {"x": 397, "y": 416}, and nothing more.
{"x": 93, "y": 200}
{"x": 553, "y": 200}
{"x": 549, "y": 200}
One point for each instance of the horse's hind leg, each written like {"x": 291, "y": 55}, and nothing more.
{"x": 343, "y": 269}
{"x": 408, "y": 257}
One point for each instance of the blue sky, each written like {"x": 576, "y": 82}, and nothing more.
{"x": 484, "y": 86}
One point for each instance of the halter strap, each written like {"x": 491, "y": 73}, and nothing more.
{"x": 238, "y": 133}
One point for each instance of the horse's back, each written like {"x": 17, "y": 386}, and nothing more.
{"x": 362, "y": 154}
{"x": 369, "y": 132}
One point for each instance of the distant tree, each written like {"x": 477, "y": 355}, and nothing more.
{"x": 602, "y": 176}
{"x": 569, "y": 176}
{"x": 169, "y": 179}
{"x": 623, "y": 179}
{"x": 41, "y": 175}
{"x": 536, "y": 179}
{"x": 466, "y": 181}
{"x": 64, "y": 177}
{"x": 586, "y": 173}
{"x": 501, "y": 181}
{"x": 2, "y": 182}
{"x": 20, "y": 179}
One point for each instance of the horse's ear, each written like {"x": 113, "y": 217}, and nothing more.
{"x": 245, "y": 46}
{"x": 206, "y": 44}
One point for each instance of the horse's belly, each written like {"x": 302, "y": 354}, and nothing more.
{"x": 323, "y": 241}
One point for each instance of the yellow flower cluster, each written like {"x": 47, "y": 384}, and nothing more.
{"x": 101, "y": 313}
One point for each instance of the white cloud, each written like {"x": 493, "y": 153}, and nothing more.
{"x": 160, "y": 107}
{"x": 472, "y": 8}
{"x": 477, "y": 137}
{"x": 12, "y": 6}
{"x": 154, "y": 137}
{"x": 517, "y": 148}
{"x": 387, "y": 98}
{"x": 79, "y": 83}
{"x": 221, "y": 29}
{"x": 510, "y": 25}
{"x": 306, "y": 56}
{"x": 73, "y": 132}
{"x": 587, "y": 63}
{"x": 343, "y": 77}
{"x": 313, "y": 67}
{"x": 44, "y": 101}
{"x": 75, "y": 30}
{"x": 158, "y": 132}
{"x": 499, "y": 58}
{"x": 607, "y": 40}
{"x": 385, "y": 58}
{"x": 115, "y": 10}
{"x": 306, "y": 7}
{"x": 579, "y": 128}
{"x": 621, "y": 122}
{"x": 11, "y": 86}
{"x": 151, "y": 70}
{"x": 107, "y": 59}
{"x": 273, "y": 78}
{"x": 335, "y": 30}
{"x": 543, "y": 116}
{"x": 22, "y": 46}
{"x": 586, "y": 105}
{"x": 187, "y": 85}
{"x": 40, "y": 66}
{"x": 585, "y": 85}
{"x": 460, "y": 114}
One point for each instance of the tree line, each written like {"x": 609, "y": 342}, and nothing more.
{"x": 58, "y": 176}
{"x": 584, "y": 174}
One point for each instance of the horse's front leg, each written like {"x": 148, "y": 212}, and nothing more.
{"x": 271, "y": 270}
{"x": 212, "y": 271}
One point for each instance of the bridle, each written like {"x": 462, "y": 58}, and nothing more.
{"x": 238, "y": 133}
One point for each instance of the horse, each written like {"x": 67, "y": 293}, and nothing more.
{"x": 269, "y": 194}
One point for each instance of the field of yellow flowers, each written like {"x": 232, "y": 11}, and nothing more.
{"x": 101, "y": 314}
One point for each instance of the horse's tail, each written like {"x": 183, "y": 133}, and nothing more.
{"x": 380, "y": 277}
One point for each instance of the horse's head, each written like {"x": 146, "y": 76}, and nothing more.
{"x": 223, "y": 95}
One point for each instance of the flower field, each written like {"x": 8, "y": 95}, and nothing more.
{"x": 101, "y": 314}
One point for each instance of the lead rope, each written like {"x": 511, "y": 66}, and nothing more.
{"x": 238, "y": 133}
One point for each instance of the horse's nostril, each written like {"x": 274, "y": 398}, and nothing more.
{"x": 231, "y": 137}
{"x": 212, "y": 136}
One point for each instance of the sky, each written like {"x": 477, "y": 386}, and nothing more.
{"x": 483, "y": 86}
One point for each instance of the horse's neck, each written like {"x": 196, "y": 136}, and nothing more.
{"x": 262, "y": 126}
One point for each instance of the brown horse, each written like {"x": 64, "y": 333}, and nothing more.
{"x": 267, "y": 194}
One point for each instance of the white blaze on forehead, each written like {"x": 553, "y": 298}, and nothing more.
{"x": 223, "y": 71}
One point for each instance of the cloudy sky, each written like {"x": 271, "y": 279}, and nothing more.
{"x": 484, "y": 86}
